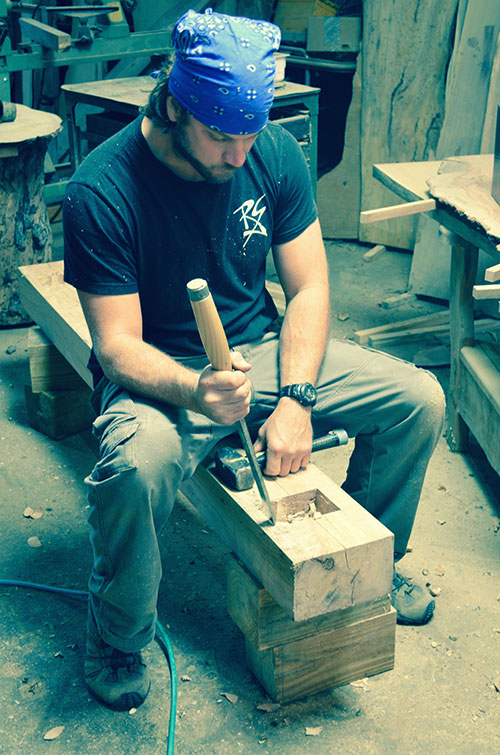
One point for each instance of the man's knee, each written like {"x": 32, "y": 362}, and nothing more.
{"x": 425, "y": 397}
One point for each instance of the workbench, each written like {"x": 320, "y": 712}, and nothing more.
{"x": 474, "y": 395}
{"x": 127, "y": 95}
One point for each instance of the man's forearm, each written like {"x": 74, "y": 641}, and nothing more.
{"x": 303, "y": 335}
{"x": 144, "y": 369}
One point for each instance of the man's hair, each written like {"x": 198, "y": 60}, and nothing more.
{"x": 156, "y": 107}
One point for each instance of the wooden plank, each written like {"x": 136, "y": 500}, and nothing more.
{"x": 492, "y": 274}
{"x": 309, "y": 566}
{"x": 479, "y": 401}
{"x": 438, "y": 318}
{"x": 486, "y": 292}
{"x": 464, "y": 184}
{"x": 290, "y": 672}
{"x": 416, "y": 334}
{"x": 397, "y": 211}
{"x": 47, "y": 36}
{"x": 55, "y": 306}
{"x": 265, "y": 624}
{"x": 405, "y": 46}
{"x": 373, "y": 253}
{"x": 49, "y": 370}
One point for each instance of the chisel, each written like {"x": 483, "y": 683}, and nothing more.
{"x": 216, "y": 346}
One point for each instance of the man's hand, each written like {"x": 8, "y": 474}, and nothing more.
{"x": 286, "y": 436}
{"x": 225, "y": 396}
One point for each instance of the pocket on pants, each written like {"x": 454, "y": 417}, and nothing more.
{"x": 115, "y": 432}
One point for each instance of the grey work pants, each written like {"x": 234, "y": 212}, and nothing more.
{"x": 394, "y": 410}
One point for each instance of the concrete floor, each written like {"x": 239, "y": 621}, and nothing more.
{"x": 439, "y": 698}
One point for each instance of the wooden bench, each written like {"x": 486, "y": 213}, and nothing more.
{"x": 312, "y": 596}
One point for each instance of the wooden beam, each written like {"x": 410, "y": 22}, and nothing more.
{"x": 486, "y": 292}
{"x": 55, "y": 306}
{"x": 438, "y": 318}
{"x": 397, "y": 210}
{"x": 292, "y": 671}
{"x": 310, "y": 566}
{"x": 47, "y": 36}
{"x": 492, "y": 274}
{"x": 265, "y": 624}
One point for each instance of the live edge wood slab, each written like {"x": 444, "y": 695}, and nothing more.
{"x": 309, "y": 566}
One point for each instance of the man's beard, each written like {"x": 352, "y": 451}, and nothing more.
{"x": 216, "y": 175}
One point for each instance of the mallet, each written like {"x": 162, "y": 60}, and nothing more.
{"x": 232, "y": 468}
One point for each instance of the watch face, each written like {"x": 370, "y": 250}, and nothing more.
{"x": 304, "y": 393}
{"x": 308, "y": 393}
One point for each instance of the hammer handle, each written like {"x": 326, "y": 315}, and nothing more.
{"x": 209, "y": 325}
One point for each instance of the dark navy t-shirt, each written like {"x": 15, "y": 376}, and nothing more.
{"x": 132, "y": 226}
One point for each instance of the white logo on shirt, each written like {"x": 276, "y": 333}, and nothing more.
{"x": 251, "y": 213}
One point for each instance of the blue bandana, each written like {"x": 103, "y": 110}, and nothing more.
{"x": 224, "y": 70}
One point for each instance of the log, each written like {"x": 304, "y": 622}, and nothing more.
{"x": 26, "y": 235}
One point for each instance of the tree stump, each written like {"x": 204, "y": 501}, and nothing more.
{"x": 25, "y": 235}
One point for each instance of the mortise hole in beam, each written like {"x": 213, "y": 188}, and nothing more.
{"x": 310, "y": 504}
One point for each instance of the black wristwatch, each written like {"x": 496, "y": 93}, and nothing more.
{"x": 304, "y": 393}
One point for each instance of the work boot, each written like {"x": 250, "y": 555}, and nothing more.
{"x": 412, "y": 603}
{"x": 116, "y": 679}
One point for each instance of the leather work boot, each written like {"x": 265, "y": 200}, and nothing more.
{"x": 412, "y": 603}
{"x": 118, "y": 680}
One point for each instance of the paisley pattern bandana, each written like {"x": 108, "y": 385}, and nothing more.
{"x": 224, "y": 69}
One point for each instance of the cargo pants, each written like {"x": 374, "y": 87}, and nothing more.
{"x": 147, "y": 449}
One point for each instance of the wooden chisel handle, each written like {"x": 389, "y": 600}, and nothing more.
{"x": 209, "y": 325}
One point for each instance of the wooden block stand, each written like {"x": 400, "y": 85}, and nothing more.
{"x": 313, "y": 598}
{"x": 292, "y": 659}
{"x": 57, "y": 399}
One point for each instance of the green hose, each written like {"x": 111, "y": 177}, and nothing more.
{"x": 161, "y": 638}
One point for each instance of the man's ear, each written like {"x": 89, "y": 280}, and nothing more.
{"x": 173, "y": 109}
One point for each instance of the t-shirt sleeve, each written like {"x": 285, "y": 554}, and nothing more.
{"x": 99, "y": 254}
{"x": 296, "y": 208}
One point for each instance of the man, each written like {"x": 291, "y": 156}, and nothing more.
{"x": 201, "y": 186}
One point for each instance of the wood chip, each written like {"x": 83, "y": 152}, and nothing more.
{"x": 30, "y": 513}
{"x": 313, "y": 731}
{"x": 434, "y": 591}
{"x": 363, "y": 683}
{"x": 132, "y": 711}
{"x": 232, "y": 698}
{"x": 268, "y": 707}
{"x": 54, "y": 733}
{"x": 186, "y": 678}
{"x": 342, "y": 316}
{"x": 34, "y": 542}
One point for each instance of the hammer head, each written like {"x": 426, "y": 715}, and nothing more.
{"x": 232, "y": 468}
